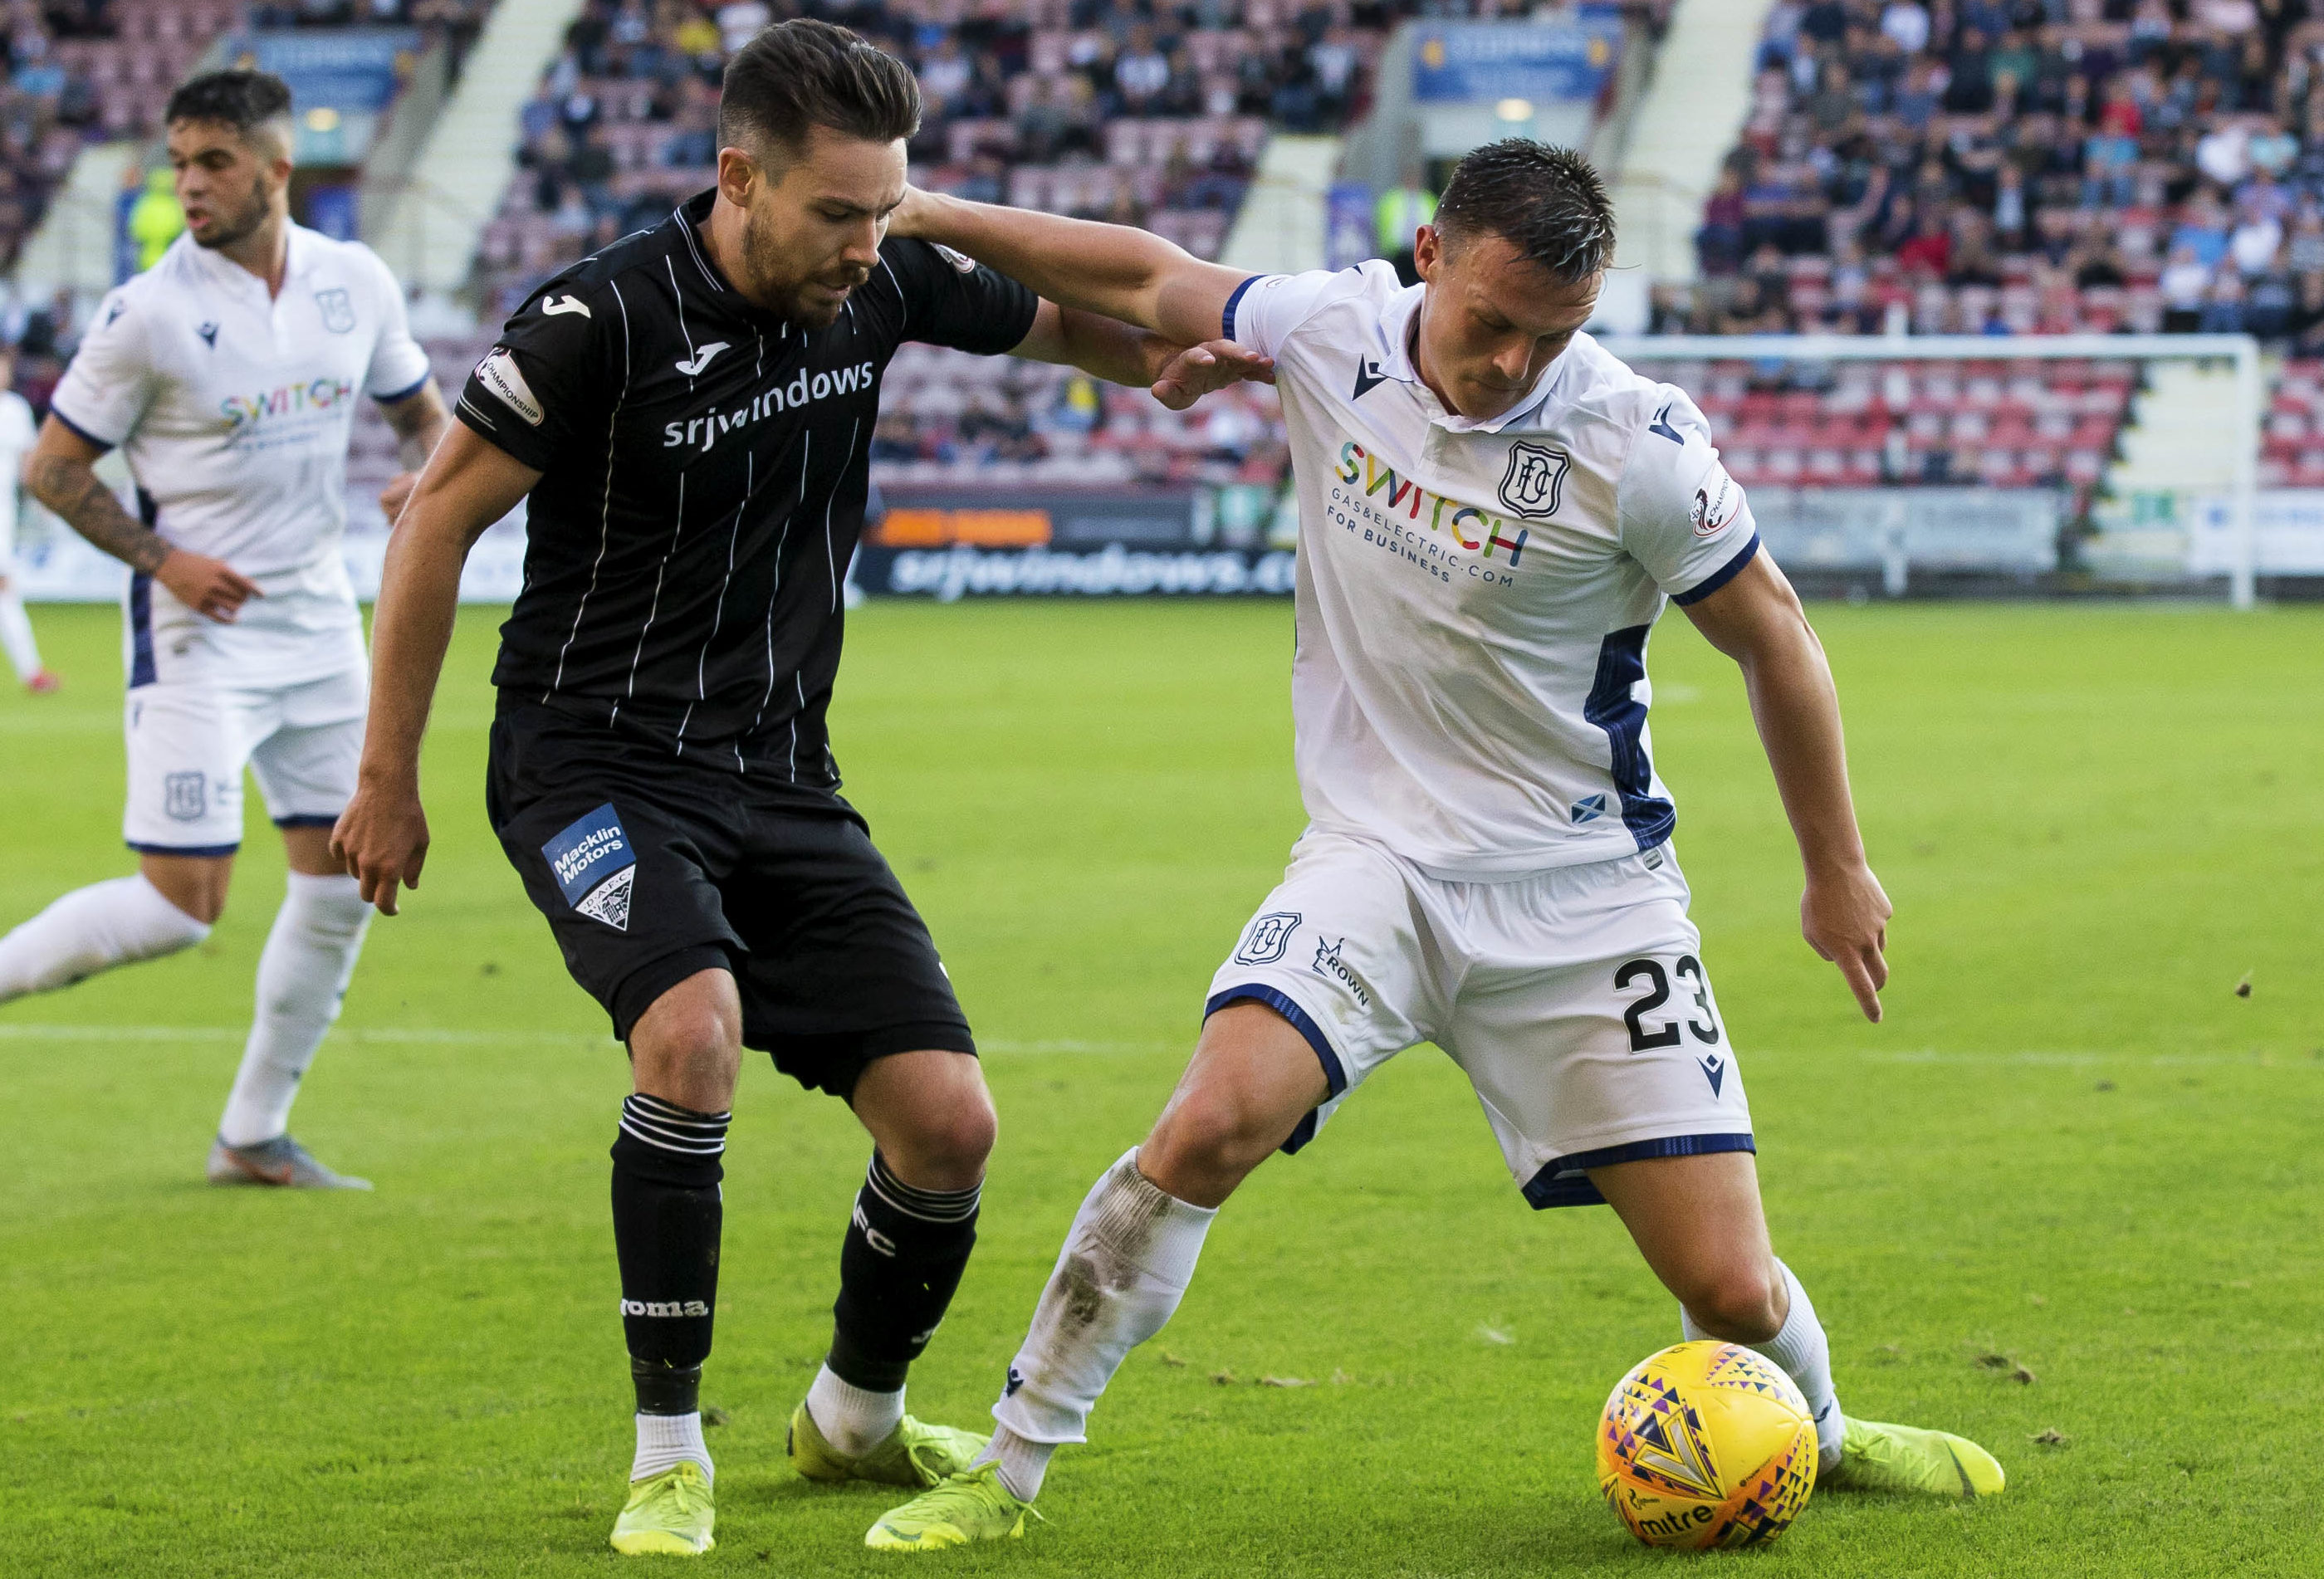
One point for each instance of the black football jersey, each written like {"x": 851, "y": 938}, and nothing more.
{"x": 704, "y": 470}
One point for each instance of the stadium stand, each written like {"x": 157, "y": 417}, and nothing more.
{"x": 2005, "y": 168}
{"x": 82, "y": 71}
{"x": 2023, "y": 167}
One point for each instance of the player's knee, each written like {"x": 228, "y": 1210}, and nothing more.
{"x": 1741, "y": 1303}
{"x": 948, "y": 1151}
{"x": 1215, "y": 1135}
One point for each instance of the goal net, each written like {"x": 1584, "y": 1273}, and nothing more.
{"x": 1976, "y": 464}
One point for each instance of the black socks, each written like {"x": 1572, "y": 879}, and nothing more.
{"x": 900, "y": 1262}
{"x": 667, "y": 1215}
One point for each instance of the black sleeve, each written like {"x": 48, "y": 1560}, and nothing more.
{"x": 953, "y": 300}
{"x": 552, "y": 375}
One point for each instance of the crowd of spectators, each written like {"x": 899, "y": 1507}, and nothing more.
{"x": 2024, "y": 166}
{"x": 83, "y": 70}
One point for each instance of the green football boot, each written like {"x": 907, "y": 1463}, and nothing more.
{"x": 914, "y": 1454}
{"x": 668, "y": 1514}
{"x": 1874, "y": 1457}
{"x": 967, "y": 1508}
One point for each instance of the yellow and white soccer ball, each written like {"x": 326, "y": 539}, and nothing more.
{"x": 1706, "y": 1445}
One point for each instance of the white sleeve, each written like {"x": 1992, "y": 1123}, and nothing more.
{"x": 398, "y": 364}
{"x": 1265, "y": 308}
{"x": 1681, "y": 515}
{"x": 104, "y": 393}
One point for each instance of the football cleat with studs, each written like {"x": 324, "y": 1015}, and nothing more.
{"x": 667, "y": 1514}
{"x": 1875, "y": 1457}
{"x": 914, "y": 1454}
{"x": 968, "y": 1508}
{"x": 281, "y": 1162}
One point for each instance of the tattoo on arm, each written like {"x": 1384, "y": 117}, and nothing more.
{"x": 418, "y": 420}
{"x": 71, "y": 489}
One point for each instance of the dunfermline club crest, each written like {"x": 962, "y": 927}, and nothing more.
{"x": 338, "y": 310}
{"x": 1535, "y": 477}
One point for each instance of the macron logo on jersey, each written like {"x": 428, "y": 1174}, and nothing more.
{"x": 498, "y": 372}
{"x": 1369, "y": 376}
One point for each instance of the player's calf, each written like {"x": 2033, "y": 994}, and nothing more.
{"x": 93, "y": 930}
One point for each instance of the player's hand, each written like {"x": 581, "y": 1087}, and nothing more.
{"x": 397, "y": 493}
{"x": 1195, "y": 371}
{"x": 208, "y": 587}
{"x": 904, "y": 220}
{"x": 382, "y": 840}
{"x": 1844, "y": 916}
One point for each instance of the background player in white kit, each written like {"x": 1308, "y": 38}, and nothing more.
{"x": 229, "y": 371}
{"x": 1493, "y": 510}
{"x": 16, "y": 437}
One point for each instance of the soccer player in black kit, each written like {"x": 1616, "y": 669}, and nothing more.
{"x": 689, "y": 413}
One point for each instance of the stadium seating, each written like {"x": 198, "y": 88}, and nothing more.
{"x": 2023, "y": 167}
{"x": 83, "y": 71}
{"x": 1866, "y": 424}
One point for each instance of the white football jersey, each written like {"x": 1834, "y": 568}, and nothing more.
{"x": 1474, "y": 597}
{"x": 233, "y": 411}
{"x": 16, "y": 437}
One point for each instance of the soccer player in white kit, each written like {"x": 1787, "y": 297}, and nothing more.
{"x": 1493, "y": 512}
{"x": 229, "y": 374}
{"x": 16, "y": 437}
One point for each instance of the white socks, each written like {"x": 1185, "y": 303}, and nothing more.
{"x": 303, "y": 972}
{"x": 91, "y": 930}
{"x": 17, "y": 630}
{"x": 1126, "y": 1262}
{"x": 1807, "y": 1358}
{"x": 850, "y": 1419}
{"x": 666, "y": 1440}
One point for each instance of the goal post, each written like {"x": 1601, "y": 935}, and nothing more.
{"x": 1908, "y": 457}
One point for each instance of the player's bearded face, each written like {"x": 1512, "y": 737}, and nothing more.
{"x": 1493, "y": 322}
{"x": 812, "y": 235}
{"x": 227, "y": 184}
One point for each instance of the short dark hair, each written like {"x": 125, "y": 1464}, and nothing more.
{"x": 796, "y": 75}
{"x": 241, "y": 99}
{"x": 1545, "y": 201}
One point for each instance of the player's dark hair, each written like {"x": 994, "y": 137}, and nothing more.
{"x": 796, "y": 75}
{"x": 1545, "y": 201}
{"x": 244, "y": 100}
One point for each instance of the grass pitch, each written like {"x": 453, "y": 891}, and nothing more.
{"x": 2071, "y": 1187}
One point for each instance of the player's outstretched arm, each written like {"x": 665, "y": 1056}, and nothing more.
{"x": 1104, "y": 348}
{"x": 1110, "y": 269}
{"x": 1756, "y": 619}
{"x": 61, "y": 473}
{"x": 468, "y": 484}
{"x": 420, "y": 420}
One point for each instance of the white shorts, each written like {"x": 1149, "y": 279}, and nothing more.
{"x": 1575, "y": 1001}
{"x": 189, "y": 741}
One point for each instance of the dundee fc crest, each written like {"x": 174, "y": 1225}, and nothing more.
{"x": 1536, "y": 477}
{"x": 338, "y": 310}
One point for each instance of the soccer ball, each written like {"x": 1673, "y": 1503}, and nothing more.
{"x": 1706, "y": 1445}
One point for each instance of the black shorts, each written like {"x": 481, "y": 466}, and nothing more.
{"x": 651, "y": 869}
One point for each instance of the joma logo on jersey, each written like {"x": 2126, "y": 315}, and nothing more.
{"x": 804, "y": 389}
{"x": 322, "y": 395}
{"x": 1358, "y": 465}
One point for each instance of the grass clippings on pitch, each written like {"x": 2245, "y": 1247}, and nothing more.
{"x": 2072, "y": 1148}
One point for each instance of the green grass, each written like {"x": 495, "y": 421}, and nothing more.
{"x": 2070, "y": 1144}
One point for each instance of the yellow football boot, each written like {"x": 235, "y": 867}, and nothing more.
{"x": 669, "y": 1514}
{"x": 967, "y": 1508}
{"x": 1874, "y": 1457}
{"x": 914, "y": 1454}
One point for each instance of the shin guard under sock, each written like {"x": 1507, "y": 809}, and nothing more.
{"x": 666, "y": 1215}
{"x": 903, "y": 1256}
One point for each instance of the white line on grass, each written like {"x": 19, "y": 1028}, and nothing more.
{"x": 10, "y": 1032}
{"x": 2085, "y": 1060}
